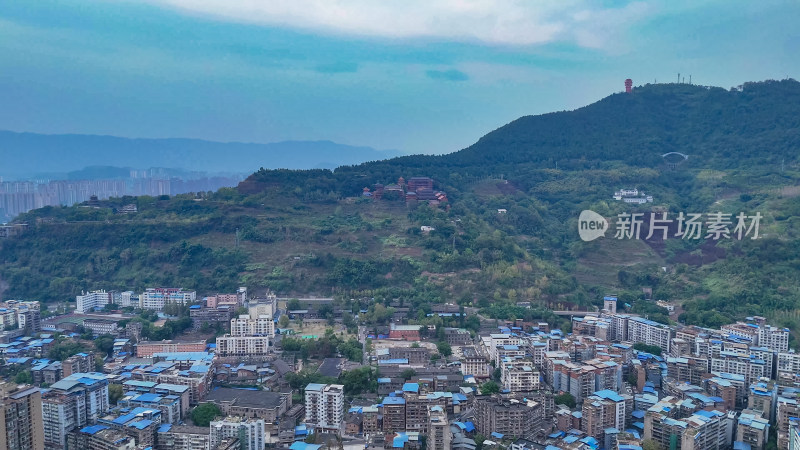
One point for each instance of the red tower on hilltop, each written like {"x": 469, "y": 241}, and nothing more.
{"x": 628, "y": 85}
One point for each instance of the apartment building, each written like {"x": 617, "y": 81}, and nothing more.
{"x": 250, "y": 432}
{"x": 146, "y": 349}
{"x": 325, "y": 407}
{"x": 71, "y": 403}
{"x": 79, "y": 363}
{"x": 439, "y": 436}
{"x": 394, "y": 414}
{"x": 21, "y": 426}
{"x": 196, "y": 376}
{"x": 220, "y": 314}
{"x": 156, "y": 298}
{"x": 520, "y": 376}
{"x": 748, "y": 366}
{"x": 507, "y": 416}
{"x": 473, "y": 362}
{"x": 687, "y": 369}
{"x": 228, "y": 345}
{"x": 773, "y": 338}
{"x": 787, "y": 409}
{"x": 752, "y": 429}
{"x": 245, "y": 325}
{"x": 99, "y": 437}
{"x": 100, "y": 326}
{"x": 89, "y": 301}
{"x": 183, "y": 437}
{"x": 649, "y": 332}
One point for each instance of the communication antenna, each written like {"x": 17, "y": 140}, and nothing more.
{"x": 237, "y": 239}
{"x": 679, "y": 78}
{"x": 690, "y": 78}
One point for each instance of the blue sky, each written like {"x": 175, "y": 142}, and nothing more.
{"x": 418, "y": 76}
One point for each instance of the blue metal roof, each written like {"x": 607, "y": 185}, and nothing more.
{"x": 93, "y": 429}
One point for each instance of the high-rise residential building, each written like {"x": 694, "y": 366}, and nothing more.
{"x": 100, "y": 437}
{"x": 228, "y": 345}
{"x": 687, "y": 369}
{"x": 394, "y": 414}
{"x": 182, "y": 437}
{"x": 473, "y": 362}
{"x": 752, "y": 429}
{"x": 507, "y": 416}
{"x": 146, "y": 349}
{"x": 250, "y": 432}
{"x": 88, "y": 301}
{"x": 649, "y": 332}
{"x": 701, "y": 431}
{"x": 787, "y": 409}
{"x": 439, "y": 435}
{"x": 519, "y": 376}
{"x": 20, "y": 418}
{"x": 793, "y": 436}
{"x": 71, "y": 403}
{"x": 325, "y": 407}
{"x": 788, "y": 367}
{"x": 246, "y": 325}
{"x": 773, "y": 338}
{"x": 79, "y": 363}
{"x": 750, "y": 367}
{"x": 156, "y": 298}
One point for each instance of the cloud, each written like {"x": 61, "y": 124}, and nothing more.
{"x": 337, "y": 67}
{"x": 586, "y": 23}
{"x": 447, "y": 75}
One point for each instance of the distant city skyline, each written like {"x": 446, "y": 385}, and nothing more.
{"x": 417, "y": 76}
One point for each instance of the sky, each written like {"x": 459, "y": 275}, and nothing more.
{"x": 419, "y": 76}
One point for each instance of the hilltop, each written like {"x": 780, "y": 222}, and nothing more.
{"x": 311, "y": 231}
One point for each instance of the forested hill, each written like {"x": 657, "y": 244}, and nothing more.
{"x": 312, "y": 232}
{"x": 758, "y": 123}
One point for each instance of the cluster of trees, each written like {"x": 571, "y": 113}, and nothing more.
{"x": 327, "y": 346}
{"x": 652, "y": 349}
{"x": 204, "y": 413}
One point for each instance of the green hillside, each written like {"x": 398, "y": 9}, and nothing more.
{"x": 311, "y": 232}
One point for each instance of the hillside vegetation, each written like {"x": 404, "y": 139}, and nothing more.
{"x": 311, "y": 232}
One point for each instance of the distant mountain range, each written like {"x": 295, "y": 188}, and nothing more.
{"x": 29, "y": 154}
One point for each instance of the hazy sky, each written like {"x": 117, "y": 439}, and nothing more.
{"x": 421, "y": 76}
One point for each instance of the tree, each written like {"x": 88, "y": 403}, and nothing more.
{"x": 497, "y": 374}
{"x": 652, "y": 349}
{"x": 293, "y": 304}
{"x": 444, "y": 348}
{"x": 565, "y": 399}
{"x": 104, "y": 344}
{"x": 650, "y": 444}
{"x": 357, "y": 381}
{"x": 203, "y": 414}
{"x": 283, "y": 322}
{"x": 479, "y": 438}
{"x": 23, "y": 377}
{"x": 407, "y": 374}
{"x": 115, "y": 392}
{"x": 490, "y": 387}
